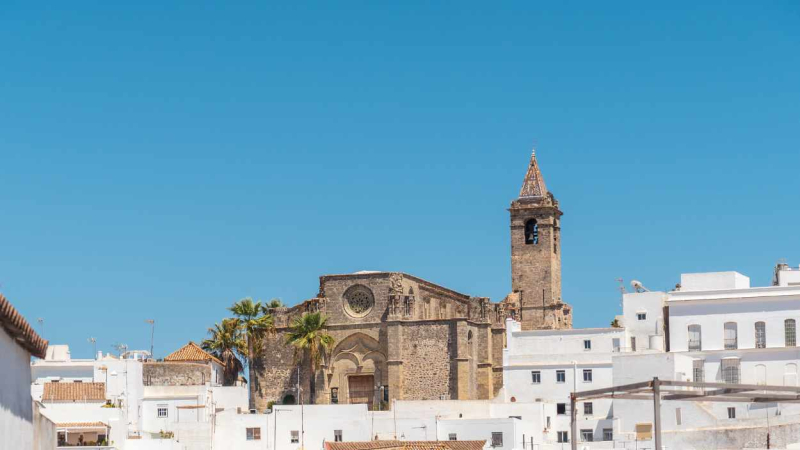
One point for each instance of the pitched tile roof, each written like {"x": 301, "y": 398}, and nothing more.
{"x": 81, "y": 425}
{"x": 191, "y": 352}
{"x": 406, "y": 445}
{"x": 20, "y": 330}
{"x": 77, "y": 392}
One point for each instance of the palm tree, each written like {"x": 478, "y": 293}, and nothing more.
{"x": 255, "y": 325}
{"x": 308, "y": 336}
{"x": 274, "y": 303}
{"x": 225, "y": 342}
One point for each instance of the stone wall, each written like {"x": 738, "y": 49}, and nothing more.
{"x": 426, "y": 355}
{"x": 176, "y": 374}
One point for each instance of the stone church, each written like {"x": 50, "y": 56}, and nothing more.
{"x": 402, "y": 337}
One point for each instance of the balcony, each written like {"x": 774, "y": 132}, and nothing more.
{"x": 731, "y": 344}
{"x": 695, "y": 345}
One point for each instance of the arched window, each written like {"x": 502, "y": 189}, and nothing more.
{"x": 695, "y": 342}
{"x": 790, "y": 332}
{"x": 288, "y": 399}
{"x": 531, "y": 232}
{"x": 731, "y": 336}
{"x": 761, "y": 335}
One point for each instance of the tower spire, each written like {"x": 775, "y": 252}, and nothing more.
{"x": 533, "y": 184}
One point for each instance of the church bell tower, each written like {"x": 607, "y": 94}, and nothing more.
{"x": 536, "y": 256}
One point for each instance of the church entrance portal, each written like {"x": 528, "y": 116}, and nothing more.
{"x": 361, "y": 389}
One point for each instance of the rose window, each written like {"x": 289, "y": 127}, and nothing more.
{"x": 359, "y": 301}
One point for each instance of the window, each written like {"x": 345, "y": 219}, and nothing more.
{"x": 731, "y": 336}
{"x": 497, "y": 439}
{"x": 587, "y": 375}
{"x": 587, "y": 409}
{"x": 633, "y": 344}
{"x": 641, "y": 316}
{"x": 295, "y": 439}
{"x": 761, "y": 335}
{"x": 587, "y": 344}
{"x": 789, "y": 333}
{"x": 695, "y": 340}
{"x": 563, "y": 436}
{"x": 730, "y": 370}
{"x": 536, "y": 376}
{"x": 253, "y": 434}
{"x": 698, "y": 370}
{"x": 678, "y": 416}
{"x": 561, "y": 409}
{"x": 531, "y": 232}
{"x": 334, "y": 395}
{"x": 587, "y": 436}
{"x": 337, "y": 435}
{"x": 386, "y": 394}
{"x": 608, "y": 434}
{"x": 548, "y": 422}
{"x": 615, "y": 345}
{"x": 731, "y": 412}
{"x": 561, "y": 376}
{"x": 162, "y": 411}
{"x": 452, "y": 437}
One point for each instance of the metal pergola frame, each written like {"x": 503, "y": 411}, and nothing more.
{"x": 656, "y": 390}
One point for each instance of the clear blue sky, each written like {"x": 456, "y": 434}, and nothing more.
{"x": 161, "y": 161}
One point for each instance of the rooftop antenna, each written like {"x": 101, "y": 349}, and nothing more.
{"x": 152, "y": 323}
{"x": 121, "y": 348}
{"x": 41, "y": 326}
{"x": 93, "y": 341}
{"x": 622, "y": 286}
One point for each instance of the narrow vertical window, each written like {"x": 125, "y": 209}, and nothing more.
{"x": 633, "y": 343}
{"x": 695, "y": 342}
{"x": 334, "y": 395}
{"x": 790, "y": 332}
{"x": 531, "y": 232}
{"x": 731, "y": 412}
{"x": 698, "y": 370}
{"x": 761, "y": 335}
{"x": 731, "y": 336}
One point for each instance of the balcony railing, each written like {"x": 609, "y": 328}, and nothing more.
{"x": 731, "y": 344}
{"x": 695, "y": 345}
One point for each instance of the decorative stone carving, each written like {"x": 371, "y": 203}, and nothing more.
{"x": 359, "y": 301}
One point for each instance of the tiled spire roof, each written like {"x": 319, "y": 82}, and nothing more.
{"x": 533, "y": 185}
{"x": 20, "y": 330}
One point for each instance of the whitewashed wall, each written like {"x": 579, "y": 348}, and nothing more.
{"x": 16, "y": 406}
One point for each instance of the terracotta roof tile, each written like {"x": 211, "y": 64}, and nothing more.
{"x": 406, "y": 445}
{"x": 191, "y": 352}
{"x": 81, "y": 425}
{"x": 78, "y": 392}
{"x": 19, "y": 329}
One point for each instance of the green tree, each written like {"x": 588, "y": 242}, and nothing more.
{"x": 255, "y": 326}
{"x": 274, "y": 303}
{"x": 310, "y": 339}
{"x": 225, "y": 342}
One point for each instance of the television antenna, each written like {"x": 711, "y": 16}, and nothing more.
{"x": 93, "y": 341}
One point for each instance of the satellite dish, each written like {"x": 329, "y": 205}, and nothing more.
{"x": 638, "y": 286}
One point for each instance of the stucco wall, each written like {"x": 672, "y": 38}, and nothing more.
{"x": 16, "y": 407}
{"x": 176, "y": 374}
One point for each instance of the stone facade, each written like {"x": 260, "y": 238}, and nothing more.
{"x": 401, "y": 337}
{"x": 176, "y": 374}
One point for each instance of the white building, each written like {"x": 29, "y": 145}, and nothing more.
{"x": 21, "y": 426}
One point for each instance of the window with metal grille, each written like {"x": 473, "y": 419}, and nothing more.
{"x": 253, "y": 434}
{"x": 335, "y": 395}
{"x": 695, "y": 338}
{"x": 587, "y": 435}
{"x": 587, "y": 375}
{"x": 587, "y": 344}
{"x": 731, "y": 412}
{"x": 497, "y": 439}
{"x": 790, "y": 332}
{"x": 633, "y": 344}
{"x": 295, "y": 437}
{"x": 337, "y": 435}
{"x": 588, "y": 410}
{"x": 561, "y": 376}
{"x": 452, "y": 437}
{"x": 731, "y": 336}
{"x": 162, "y": 411}
{"x": 761, "y": 335}
{"x": 536, "y": 376}
{"x": 730, "y": 370}
{"x": 698, "y": 370}
{"x": 608, "y": 434}
{"x": 563, "y": 436}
